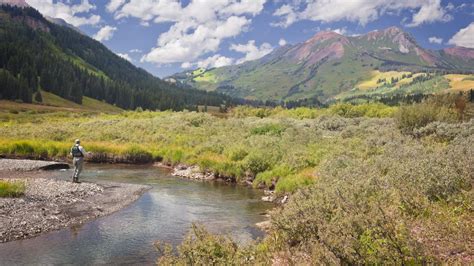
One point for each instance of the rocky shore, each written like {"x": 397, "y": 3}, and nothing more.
{"x": 51, "y": 203}
{"x": 194, "y": 172}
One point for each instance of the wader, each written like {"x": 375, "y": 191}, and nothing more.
{"x": 77, "y": 162}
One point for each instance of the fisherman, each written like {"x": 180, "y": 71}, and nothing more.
{"x": 78, "y": 153}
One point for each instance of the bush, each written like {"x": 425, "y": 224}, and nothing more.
{"x": 269, "y": 129}
{"x": 416, "y": 116}
{"x": 257, "y": 162}
{"x": 269, "y": 177}
{"x": 291, "y": 183}
{"x": 203, "y": 248}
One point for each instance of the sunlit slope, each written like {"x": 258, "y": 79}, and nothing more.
{"x": 329, "y": 65}
{"x": 460, "y": 82}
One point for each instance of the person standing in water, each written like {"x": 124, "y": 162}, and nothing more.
{"x": 78, "y": 152}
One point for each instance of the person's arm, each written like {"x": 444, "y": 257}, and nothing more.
{"x": 83, "y": 151}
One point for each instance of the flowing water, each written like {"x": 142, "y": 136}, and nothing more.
{"x": 164, "y": 213}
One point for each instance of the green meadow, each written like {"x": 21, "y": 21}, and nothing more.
{"x": 408, "y": 168}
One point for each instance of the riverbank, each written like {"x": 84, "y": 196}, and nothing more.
{"x": 51, "y": 203}
{"x": 194, "y": 172}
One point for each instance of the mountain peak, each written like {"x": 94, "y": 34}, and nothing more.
{"x": 324, "y": 35}
{"x": 393, "y": 30}
{"x": 18, "y": 3}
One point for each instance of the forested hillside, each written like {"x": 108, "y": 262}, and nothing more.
{"x": 37, "y": 54}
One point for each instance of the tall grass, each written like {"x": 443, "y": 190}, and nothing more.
{"x": 251, "y": 144}
{"x": 11, "y": 189}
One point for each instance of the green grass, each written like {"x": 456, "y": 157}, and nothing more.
{"x": 88, "y": 104}
{"x": 11, "y": 189}
{"x": 285, "y": 146}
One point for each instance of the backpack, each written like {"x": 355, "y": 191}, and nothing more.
{"x": 76, "y": 152}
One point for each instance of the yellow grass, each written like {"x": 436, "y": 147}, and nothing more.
{"x": 460, "y": 82}
{"x": 376, "y": 75}
{"x": 93, "y": 104}
{"x": 206, "y": 77}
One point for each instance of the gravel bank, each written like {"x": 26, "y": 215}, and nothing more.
{"x": 30, "y": 165}
{"x": 51, "y": 204}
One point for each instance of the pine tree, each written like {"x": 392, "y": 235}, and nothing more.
{"x": 38, "y": 97}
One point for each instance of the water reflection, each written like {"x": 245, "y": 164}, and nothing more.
{"x": 164, "y": 213}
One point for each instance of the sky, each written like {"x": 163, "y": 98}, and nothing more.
{"x": 169, "y": 36}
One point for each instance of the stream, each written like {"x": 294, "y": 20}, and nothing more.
{"x": 164, "y": 213}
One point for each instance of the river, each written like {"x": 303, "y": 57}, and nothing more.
{"x": 164, "y": 213}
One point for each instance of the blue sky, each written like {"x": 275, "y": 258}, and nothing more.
{"x": 168, "y": 36}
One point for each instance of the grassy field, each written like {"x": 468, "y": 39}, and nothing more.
{"x": 409, "y": 168}
{"x": 460, "y": 82}
{"x": 376, "y": 75}
{"x": 54, "y": 103}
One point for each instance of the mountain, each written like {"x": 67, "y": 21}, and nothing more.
{"x": 62, "y": 22}
{"x": 327, "y": 65}
{"x": 38, "y": 55}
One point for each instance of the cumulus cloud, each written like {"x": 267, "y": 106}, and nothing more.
{"x": 282, "y": 42}
{"x": 360, "y": 11}
{"x": 76, "y": 15}
{"x": 196, "y": 29}
{"x": 430, "y": 12}
{"x": 113, "y": 5}
{"x": 216, "y": 60}
{"x": 464, "y": 37}
{"x": 436, "y": 40}
{"x": 105, "y": 33}
{"x": 125, "y": 56}
{"x": 251, "y": 51}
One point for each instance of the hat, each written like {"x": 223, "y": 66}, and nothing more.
{"x": 77, "y": 141}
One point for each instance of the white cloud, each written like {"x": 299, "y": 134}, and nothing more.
{"x": 196, "y": 29}
{"x": 436, "y": 40}
{"x": 341, "y": 31}
{"x": 69, "y": 12}
{"x": 251, "y": 51}
{"x": 464, "y": 37}
{"x": 282, "y": 42}
{"x": 113, "y": 5}
{"x": 215, "y": 61}
{"x": 138, "y": 51}
{"x": 125, "y": 56}
{"x": 105, "y": 33}
{"x": 360, "y": 11}
{"x": 187, "y": 65}
{"x": 430, "y": 12}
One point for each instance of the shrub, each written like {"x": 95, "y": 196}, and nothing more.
{"x": 203, "y": 248}
{"x": 257, "y": 162}
{"x": 269, "y": 177}
{"x": 291, "y": 183}
{"x": 416, "y": 116}
{"x": 269, "y": 129}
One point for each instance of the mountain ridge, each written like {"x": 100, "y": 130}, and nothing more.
{"x": 327, "y": 64}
